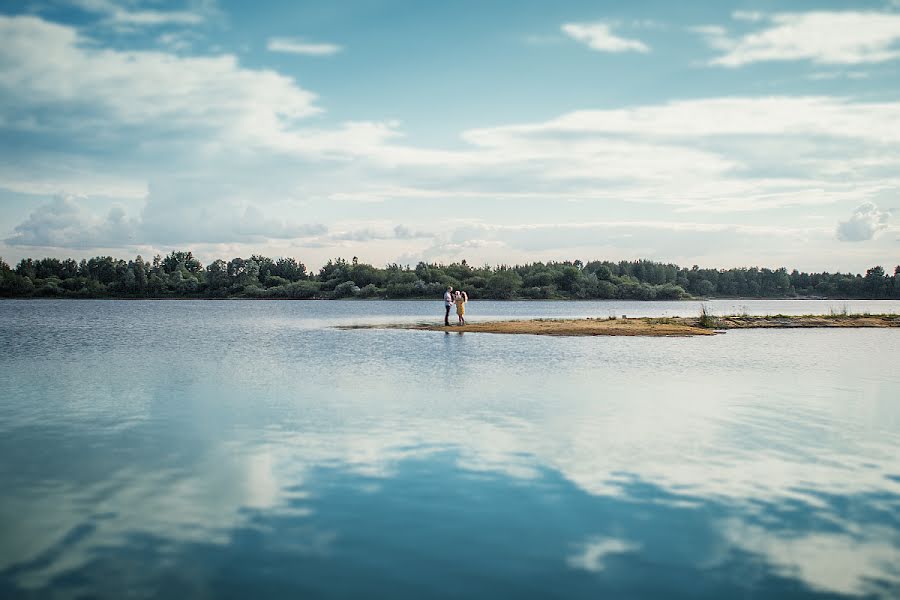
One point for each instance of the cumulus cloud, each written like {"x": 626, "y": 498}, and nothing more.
{"x": 168, "y": 218}
{"x": 295, "y": 46}
{"x": 599, "y": 36}
{"x": 46, "y": 66}
{"x": 367, "y": 234}
{"x": 866, "y": 222}
{"x": 401, "y": 232}
{"x": 63, "y": 223}
{"x": 54, "y": 79}
{"x": 185, "y": 211}
{"x": 843, "y": 38}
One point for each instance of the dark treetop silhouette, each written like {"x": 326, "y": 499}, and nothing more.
{"x": 180, "y": 275}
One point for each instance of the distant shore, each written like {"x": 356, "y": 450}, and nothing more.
{"x": 685, "y": 300}
{"x": 654, "y": 326}
{"x": 180, "y": 275}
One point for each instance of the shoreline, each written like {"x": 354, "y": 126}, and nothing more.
{"x": 511, "y": 300}
{"x": 653, "y": 326}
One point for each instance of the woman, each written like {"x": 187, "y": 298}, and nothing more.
{"x": 460, "y": 301}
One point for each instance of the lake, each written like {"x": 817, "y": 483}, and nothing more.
{"x": 238, "y": 449}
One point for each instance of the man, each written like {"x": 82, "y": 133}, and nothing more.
{"x": 448, "y": 304}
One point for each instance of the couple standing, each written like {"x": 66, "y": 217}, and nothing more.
{"x": 459, "y": 299}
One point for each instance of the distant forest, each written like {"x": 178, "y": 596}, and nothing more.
{"x": 180, "y": 275}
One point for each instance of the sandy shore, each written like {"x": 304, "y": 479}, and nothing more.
{"x": 654, "y": 327}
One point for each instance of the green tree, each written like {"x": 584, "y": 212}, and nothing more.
{"x": 290, "y": 269}
{"x": 334, "y": 269}
{"x": 875, "y": 283}
{"x": 243, "y": 273}
{"x": 217, "y": 277}
{"x": 364, "y": 275}
{"x": 179, "y": 260}
{"x": 503, "y": 284}
{"x": 706, "y": 288}
{"x": 139, "y": 267}
{"x": 346, "y": 289}
{"x": 266, "y": 266}
{"x": 25, "y": 268}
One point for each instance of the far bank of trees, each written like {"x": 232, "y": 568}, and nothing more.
{"x": 180, "y": 275}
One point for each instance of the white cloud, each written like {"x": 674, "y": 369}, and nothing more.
{"x": 292, "y": 46}
{"x": 62, "y": 223}
{"x": 866, "y": 222}
{"x": 599, "y": 36}
{"x": 693, "y": 119}
{"x": 379, "y": 231}
{"x": 821, "y": 37}
{"x": 169, "y": 218}
{"x": 401, "y": 232}
{"x": 184, "y": 211}
{"x": 46, "y": 66}
{"x": 54, "y": 79}
{"x": 712, "y": 154}
{"x": 120, "y": 16}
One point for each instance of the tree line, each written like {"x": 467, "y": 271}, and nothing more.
{"x": 180, "y": 275}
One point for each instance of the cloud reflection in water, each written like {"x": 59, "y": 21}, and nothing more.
{"x": 291, "y": 461}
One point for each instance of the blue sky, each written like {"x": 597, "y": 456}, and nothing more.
{"x": 712, "y": 133}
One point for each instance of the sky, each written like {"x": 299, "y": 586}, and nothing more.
{"x": 716, "y": 133}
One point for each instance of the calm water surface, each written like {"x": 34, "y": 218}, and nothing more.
{"x": 247, "y": 449}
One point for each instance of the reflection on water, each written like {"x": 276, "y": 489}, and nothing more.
{"x": 237, "y": 449}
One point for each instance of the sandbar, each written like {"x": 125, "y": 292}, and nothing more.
{"x": 652, "y": 326}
